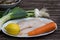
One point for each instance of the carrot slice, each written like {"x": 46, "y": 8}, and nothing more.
{"x": 46, "y": 28}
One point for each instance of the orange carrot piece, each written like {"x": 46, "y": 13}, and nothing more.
{"x": 46, "y": 28}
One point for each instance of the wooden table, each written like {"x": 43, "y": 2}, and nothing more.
{"x": 53, "y": 7}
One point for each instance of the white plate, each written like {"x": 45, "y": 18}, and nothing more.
{"x": 18, "y": 20}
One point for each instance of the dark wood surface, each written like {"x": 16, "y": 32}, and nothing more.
{"x": 53, "y": 7}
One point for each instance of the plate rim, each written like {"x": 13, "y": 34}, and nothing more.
{"x": 28, "y": 36}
